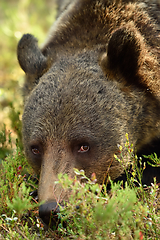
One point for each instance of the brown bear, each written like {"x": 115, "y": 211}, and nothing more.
{"x": 95, "y": 79}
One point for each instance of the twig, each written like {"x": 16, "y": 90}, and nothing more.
{"x": 21, "y": 233}
{"x": 5, "y": 228}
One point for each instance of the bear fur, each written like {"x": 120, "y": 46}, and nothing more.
{"x": 95, "y": 79}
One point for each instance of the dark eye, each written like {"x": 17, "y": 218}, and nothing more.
{"x": 84, "y": 148}
{"x": 35, "y": 150}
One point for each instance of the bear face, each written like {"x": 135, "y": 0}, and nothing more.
{"x": 94, "y": 80}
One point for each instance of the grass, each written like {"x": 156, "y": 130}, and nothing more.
{"x": 91, "y": 212}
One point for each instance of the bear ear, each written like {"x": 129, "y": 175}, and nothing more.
{"x": 125, "y": 53}
{"x": 30, "y": 57}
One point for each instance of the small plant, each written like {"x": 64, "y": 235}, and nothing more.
{"x": 14, "y": 183}
{"x": 16, "y": 125}
{"x": 135, "y": 171}
{"x": 5, "y": 143}
{"x": 10, "y": 220}
{"x": 22, "y": 200}
{"x": 15, "y": 199}
{"x": 94, "y": 214}
{"x": 154, "y": 161}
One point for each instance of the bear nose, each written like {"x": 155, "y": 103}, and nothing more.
{"x": 48, "y": 213}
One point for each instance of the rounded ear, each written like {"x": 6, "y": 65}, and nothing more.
{"x": 30, "y": 57}
{"x": 125, "y": 52}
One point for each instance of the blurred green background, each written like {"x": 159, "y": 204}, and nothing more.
{"x": 17, "y": 18}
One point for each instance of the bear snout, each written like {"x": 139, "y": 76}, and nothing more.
{"x": 48, "y": 212}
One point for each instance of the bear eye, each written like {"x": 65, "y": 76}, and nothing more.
{"x": 84, "y": 148}
{"x": 35, "y": 150}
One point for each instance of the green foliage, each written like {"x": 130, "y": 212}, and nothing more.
{"x": 154, "y": 161}
{"x": 12, "y": 175}
{"x": 10, "y": 220}
{"x": 15, "y": 200}
{"x": 5, "y": 143}
{"x": 16, "y": 125}
{"x": 94, "y": 214}
{"x": 20, "y": 202}
{"x": 134, "y": 174}
{"x": 5, "y": 136}
{"x": 18, "y": 212}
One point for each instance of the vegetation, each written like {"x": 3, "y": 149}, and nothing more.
{"x": 91, "y": 212}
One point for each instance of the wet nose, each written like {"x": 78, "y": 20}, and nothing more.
{"x": 48, "y": 213}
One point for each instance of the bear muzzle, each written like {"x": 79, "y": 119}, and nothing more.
{"x": 48, "y": 212}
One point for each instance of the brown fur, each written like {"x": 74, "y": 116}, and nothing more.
{"x": 95, "y": 79}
